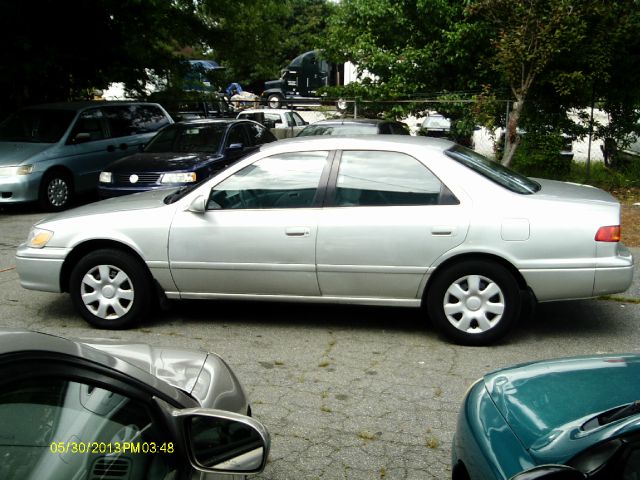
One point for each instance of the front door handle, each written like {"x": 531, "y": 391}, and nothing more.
{"x": 297, "y": 231}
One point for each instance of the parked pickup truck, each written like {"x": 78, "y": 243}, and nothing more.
{"x": 282, "y": 123}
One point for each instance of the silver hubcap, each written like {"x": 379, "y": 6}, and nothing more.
{"x": 57, "y": 192}
{"x": 274, "y": 102}
{"x": 107, "y": 292}
{"x": 474, "y": 304}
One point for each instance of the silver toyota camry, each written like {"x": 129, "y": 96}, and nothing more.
{"x": 385, "y": 220}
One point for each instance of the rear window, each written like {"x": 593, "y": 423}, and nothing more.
{"x": 348, "y": 129}
{"x": 493, "y": 171}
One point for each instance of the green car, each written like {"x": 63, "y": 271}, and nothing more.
{"x": 572, "y": 418}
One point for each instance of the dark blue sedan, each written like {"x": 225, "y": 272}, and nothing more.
{"x": 183, "y": 154}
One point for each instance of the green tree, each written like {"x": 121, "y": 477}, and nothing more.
{"x": 255, "y": 40}
{"x": 57, "y": 51}
{"x": 549, "y": 56}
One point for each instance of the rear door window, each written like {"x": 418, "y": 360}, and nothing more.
{"x": 126, "y": 120}
{"x": 371, "y": 178}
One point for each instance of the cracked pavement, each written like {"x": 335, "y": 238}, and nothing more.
{"x": 346, "y": 392}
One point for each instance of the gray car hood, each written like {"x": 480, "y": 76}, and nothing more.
{"x": 136, "y": 201}
{"x": 204, "y": 376}
{"x": 178, "y": 367}
{"x": 16, "y": 153}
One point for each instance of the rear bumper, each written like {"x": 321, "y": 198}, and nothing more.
{"x": 615, "y": 275}
{"x": 607, "y": 275}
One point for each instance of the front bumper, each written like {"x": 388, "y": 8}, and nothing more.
{"x": 20, "y": 188}
{"x": 40, "y": 269}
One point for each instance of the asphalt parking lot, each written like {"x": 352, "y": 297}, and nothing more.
{"x": 346, "y": 392}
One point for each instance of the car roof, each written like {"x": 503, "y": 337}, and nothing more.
{"x": 353, "y": 121}
{"x": 265, "y": 110}
{"x": 360, "y": 142}
{"x": 212, "y": 121}
{"x": 39, "y": 345}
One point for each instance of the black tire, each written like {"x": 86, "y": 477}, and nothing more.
{"x": 475, "y": 302}
{"x": 111, "y": 289}
{"x": 56, "y": 191}
{"x": 275, "y": 101}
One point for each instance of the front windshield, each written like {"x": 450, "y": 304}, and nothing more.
{"x": 356, "y": 129}
{"x": 36, "y": 125}
{"x": 494, "y": 171}
{"x": 188, "y": 139}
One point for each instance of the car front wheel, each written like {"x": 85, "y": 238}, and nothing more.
{"x": 56, "y": 191}
{"x": 474, "y": 302}
{"x": 110, "y": 289}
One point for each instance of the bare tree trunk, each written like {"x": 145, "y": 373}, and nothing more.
{"x": 512, "y": 139}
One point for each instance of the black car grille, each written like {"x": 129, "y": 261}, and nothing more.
{"x": 143, "y": 178}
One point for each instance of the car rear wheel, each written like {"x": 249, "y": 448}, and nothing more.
{"x": 474, "y": 302}
{"x": 110, "y": 289}
{"x": 56, "y": 191}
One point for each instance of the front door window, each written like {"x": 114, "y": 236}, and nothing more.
{"x": 61, "y": 429}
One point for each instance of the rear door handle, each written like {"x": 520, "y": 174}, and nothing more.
{"x": 443, "y": 230}
{"x": 297, "y": 231}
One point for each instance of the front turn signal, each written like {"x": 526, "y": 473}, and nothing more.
{"x": 608, "y": 234}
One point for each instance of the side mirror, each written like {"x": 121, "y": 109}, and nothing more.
{"x": 198, "y": 205}
{"x": 224, "y": 442}
{"x": 235, "y": 147}
{"x": 82, "y": 138}
{"x": 550, "y": 472}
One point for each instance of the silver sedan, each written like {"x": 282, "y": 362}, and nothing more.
{"x": 384, "y": 220}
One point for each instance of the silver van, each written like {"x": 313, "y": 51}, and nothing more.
{"x": 51, "y": 152}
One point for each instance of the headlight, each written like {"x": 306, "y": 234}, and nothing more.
{"x": 39, "y": 237}
{"x": 19, "y": 170}
{"x": 106, "y": 177}
{"x": 180, "y": 177}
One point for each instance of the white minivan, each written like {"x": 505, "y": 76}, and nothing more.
{"x": 49, "y": 153}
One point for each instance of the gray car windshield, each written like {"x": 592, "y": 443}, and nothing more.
{"x": 494, "y": 171}
{"x": 313, "y": 130}
{"x": 36, "y": 126}
{"x": 188, "y": 139}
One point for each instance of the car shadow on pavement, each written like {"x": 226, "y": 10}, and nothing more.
{"x": 296, "y": 314}
{"x": 579, "y": 319}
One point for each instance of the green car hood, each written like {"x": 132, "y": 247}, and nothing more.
{"x": 547, "y": 402}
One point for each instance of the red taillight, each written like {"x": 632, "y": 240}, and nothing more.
{"x": 608, "y": 234}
